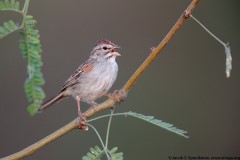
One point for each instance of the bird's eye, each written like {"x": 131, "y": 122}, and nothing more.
{"x": 105, "y": 48}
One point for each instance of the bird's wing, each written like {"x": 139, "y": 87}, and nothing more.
{"x": 82, "y": 69}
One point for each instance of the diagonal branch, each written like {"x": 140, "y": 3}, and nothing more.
{"x": 109, "y": 102}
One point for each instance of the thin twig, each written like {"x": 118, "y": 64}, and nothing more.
{"x": 108, "y": 128}
{"x": 109, "y": 102}
{"x": 207, "y": 30}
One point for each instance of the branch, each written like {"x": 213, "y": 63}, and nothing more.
{"x": 109, "y": 102}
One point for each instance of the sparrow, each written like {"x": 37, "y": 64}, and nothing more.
{"x": 92, "y": 79}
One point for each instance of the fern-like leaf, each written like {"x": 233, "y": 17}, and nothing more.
{"x": 31, "y": 50}
{"x": 9, "y": 5}
{"x": 97, "y": 154}
{"x": 159, "y": 123}
{"x": 7, "y": 28}
{"x": 94, "y": 154}
{"x": 116, "y": 155}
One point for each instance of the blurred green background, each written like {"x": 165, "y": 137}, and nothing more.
{"x": 186, "y": 85}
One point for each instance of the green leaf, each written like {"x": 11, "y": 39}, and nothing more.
{"x": 90, "y": 155}
{"x": 38, "y": 79}
{"x": 93, "y": 151}
{"x": 97, "y": 154}
{"x": 24, "y": 48}
{"x": 31, "y": 49}
{"x": 33, "y": 32}
{"x": 30, "y": 46}
{"x": 159, "y": 123}
{"x": 7, "y": 28}
{"x": 86, "y": 158}
{"x": 38, "y": 92}
{"x": 113, "y": 150}
{"x": 33, "y": 54}
{"x": 30, "y": 21}
{"x": 98, "y": 149}
{"x": 28, "y": 87}
{"x": 9, "y": 5}
{"x": 94, "y": 154}
{"x": 33, "y": 39}
{"x": 33, "y": 108}
{"x": 117, "y": 156}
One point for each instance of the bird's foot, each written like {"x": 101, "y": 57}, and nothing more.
{"x": 82, "y": 123}
{"x": 117, "y": 95}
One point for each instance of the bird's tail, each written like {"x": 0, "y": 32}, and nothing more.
{"x": 51, "y": 101}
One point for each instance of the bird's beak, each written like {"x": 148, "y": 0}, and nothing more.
{"x": 116, "y": 54}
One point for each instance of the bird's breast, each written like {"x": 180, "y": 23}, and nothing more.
{"x": 95, "y": 84}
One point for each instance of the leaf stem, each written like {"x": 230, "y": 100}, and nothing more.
{"x": 24, "y": 12}
{"x": 108, "y": 127}
{"x": 205, "y": 28}
{"x": 25, "y": 7}
{"x": 107, "y": 115}
{"x": 225, "y": 45}
{"x": 149, "y": 119}
{"x": 13, "y": 10}
{"x": 100, "y": 139}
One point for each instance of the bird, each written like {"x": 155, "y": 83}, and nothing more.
{"x": 92, "y": 79}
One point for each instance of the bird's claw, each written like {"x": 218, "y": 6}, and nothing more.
{"x": 117, "y": 95}
{"x": 82, "y": 123}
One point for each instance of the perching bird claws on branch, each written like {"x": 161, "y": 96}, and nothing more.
{"x": 117, "y": 95}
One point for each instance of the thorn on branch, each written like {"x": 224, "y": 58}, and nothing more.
{"x": 152, "y": 49}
